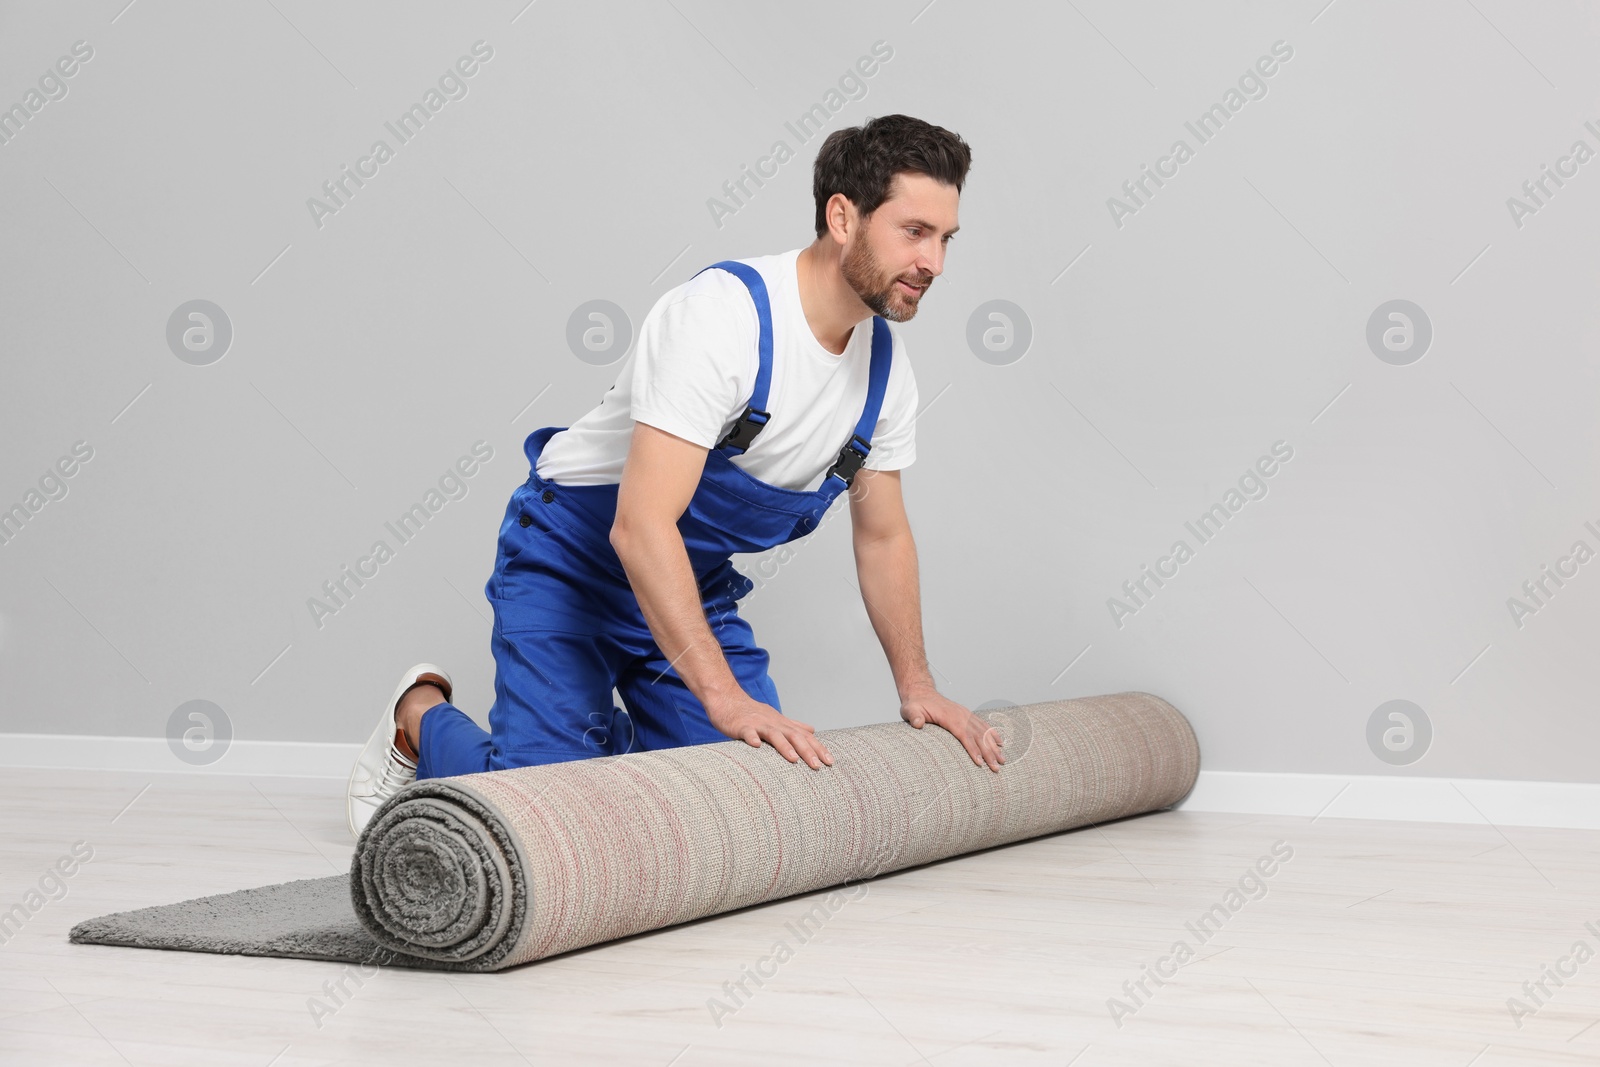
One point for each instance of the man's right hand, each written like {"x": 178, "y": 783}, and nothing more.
{"x": 746, "y": 719}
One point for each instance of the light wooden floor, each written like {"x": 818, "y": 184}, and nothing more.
{"x": 1377, "y": 943}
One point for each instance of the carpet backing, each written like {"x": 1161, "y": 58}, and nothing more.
{"x": 486, "y": 871}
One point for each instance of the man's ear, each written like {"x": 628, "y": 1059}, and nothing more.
{"x": 841, "y": 217}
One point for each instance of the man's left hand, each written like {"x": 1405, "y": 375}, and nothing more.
{"x": 981, "y": 740}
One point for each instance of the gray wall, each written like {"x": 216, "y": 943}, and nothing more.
{"x": 1171, "y": 347}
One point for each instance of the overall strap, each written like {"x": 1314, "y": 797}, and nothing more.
{"x": 854, "y": 452}
{"x": 755, "y": 413}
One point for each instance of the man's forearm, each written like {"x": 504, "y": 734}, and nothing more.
{"x": 888, "y": 571}
{"x": 663, "y": 581}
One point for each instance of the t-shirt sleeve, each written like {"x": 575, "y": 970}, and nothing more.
{"x": 695, "y": 363}
{"x": 894, "y": 439}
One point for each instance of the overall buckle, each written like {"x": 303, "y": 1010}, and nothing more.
{"x": 744, "y": 431}
{"x": 851, "y": 456}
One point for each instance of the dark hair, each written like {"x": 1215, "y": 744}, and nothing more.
{"x": 861, "y": 161}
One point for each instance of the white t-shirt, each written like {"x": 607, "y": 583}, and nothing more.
{"x": 694, "y": 367}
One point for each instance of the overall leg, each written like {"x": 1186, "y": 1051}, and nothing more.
{"x": 449, "y": 743}
{"x": 555, "y": 665}
{"x": 552, "y": 700}
{"x": 664, "y": 712}
{"x": 534, "y": 720}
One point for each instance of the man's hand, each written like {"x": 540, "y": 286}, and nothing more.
{"x": 981, "y": 740}
{"x": 746, "y": 719}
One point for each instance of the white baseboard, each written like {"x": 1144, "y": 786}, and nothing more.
{"x": 1568, "y": 805}
{"x": 152, "y": 755}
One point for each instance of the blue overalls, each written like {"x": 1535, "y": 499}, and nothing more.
{"x": 567, "y": 626}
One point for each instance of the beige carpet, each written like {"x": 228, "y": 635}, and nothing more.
{"x": 487, "y": 871}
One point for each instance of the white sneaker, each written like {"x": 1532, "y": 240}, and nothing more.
{"x": 382, "y": 770}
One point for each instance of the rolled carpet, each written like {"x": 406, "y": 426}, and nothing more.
{"x": 486, "y": 871}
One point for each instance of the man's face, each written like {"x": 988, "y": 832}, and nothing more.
{"x": 897, "y": 252}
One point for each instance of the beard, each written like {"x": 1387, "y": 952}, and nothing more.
{"x": 878, "y": 288}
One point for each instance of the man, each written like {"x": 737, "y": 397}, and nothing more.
{"x": 723, "y": 434}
